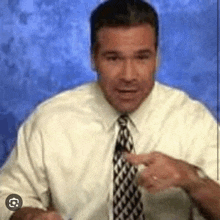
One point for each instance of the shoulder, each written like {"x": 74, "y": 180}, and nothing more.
{"x": 68, "y": 104}
{"x": 179, "y": 105}
{"x": 178, "y": 100}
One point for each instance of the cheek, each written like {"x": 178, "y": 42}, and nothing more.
{"x": 106, "y": 80}
{"x": 106, "y": 74}
{"x": 107, "y": 83}
{"x": 147, "y": 80}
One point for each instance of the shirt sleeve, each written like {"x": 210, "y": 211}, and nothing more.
{"x": 24, "y": 172}
{"x": 203, "y": 133}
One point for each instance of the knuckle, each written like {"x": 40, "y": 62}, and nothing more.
{"x": 51, "y": 215}
{"x": 155, "y": 153}
{"x": 143, "y": 178}
{"x": 177, "y": 176}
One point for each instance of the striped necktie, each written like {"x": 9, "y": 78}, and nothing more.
{"x": 126, "y": 196}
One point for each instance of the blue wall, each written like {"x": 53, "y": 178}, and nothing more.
{"x": 44, "y": 49}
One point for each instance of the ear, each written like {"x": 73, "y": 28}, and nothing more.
{"x": 158, "y": 60}
{"x": 93, "y": 65}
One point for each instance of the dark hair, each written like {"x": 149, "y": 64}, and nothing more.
{"x": 116, "y": 13}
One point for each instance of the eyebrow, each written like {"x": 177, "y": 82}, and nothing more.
{"x": 115, "y": 52}
{"x": 143, "y": 51}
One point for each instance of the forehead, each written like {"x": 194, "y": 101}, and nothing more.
{"x": 126, "y": 38}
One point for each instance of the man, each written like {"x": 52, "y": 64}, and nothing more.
{"x": 70, "y": 151}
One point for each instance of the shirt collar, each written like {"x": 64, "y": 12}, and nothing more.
{"x": 105, "y": 111}
{"x": 139, "y": 116}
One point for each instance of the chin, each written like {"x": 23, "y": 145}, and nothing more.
{"x": 123, "y": 106}
{"x": 126, "y": 109}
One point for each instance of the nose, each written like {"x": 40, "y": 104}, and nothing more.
{"x": 128, "y": 72}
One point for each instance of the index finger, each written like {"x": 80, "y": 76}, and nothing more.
{"x": 137, "y": 159}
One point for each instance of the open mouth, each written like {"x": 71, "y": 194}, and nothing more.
{"x": 127, "y": 91}
{"x": 127, "y": 94}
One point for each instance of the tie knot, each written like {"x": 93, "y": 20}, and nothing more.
{"x": 123, "y": 120}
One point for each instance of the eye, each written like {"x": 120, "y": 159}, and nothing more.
{"x": 112, "y": 58}
{"x": 142, "y": 57}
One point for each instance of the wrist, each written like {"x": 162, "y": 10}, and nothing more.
{"x": 197, "y": 181}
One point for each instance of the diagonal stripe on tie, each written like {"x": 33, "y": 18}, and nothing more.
{"x": 127, "y": 202}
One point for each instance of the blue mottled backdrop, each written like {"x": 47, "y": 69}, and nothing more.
{"x": 44, "y": 49}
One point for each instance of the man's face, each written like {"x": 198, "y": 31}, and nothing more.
{"x": 126, "y": 62}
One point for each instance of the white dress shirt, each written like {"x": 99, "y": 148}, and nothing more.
{"x": 65, "y": 149}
